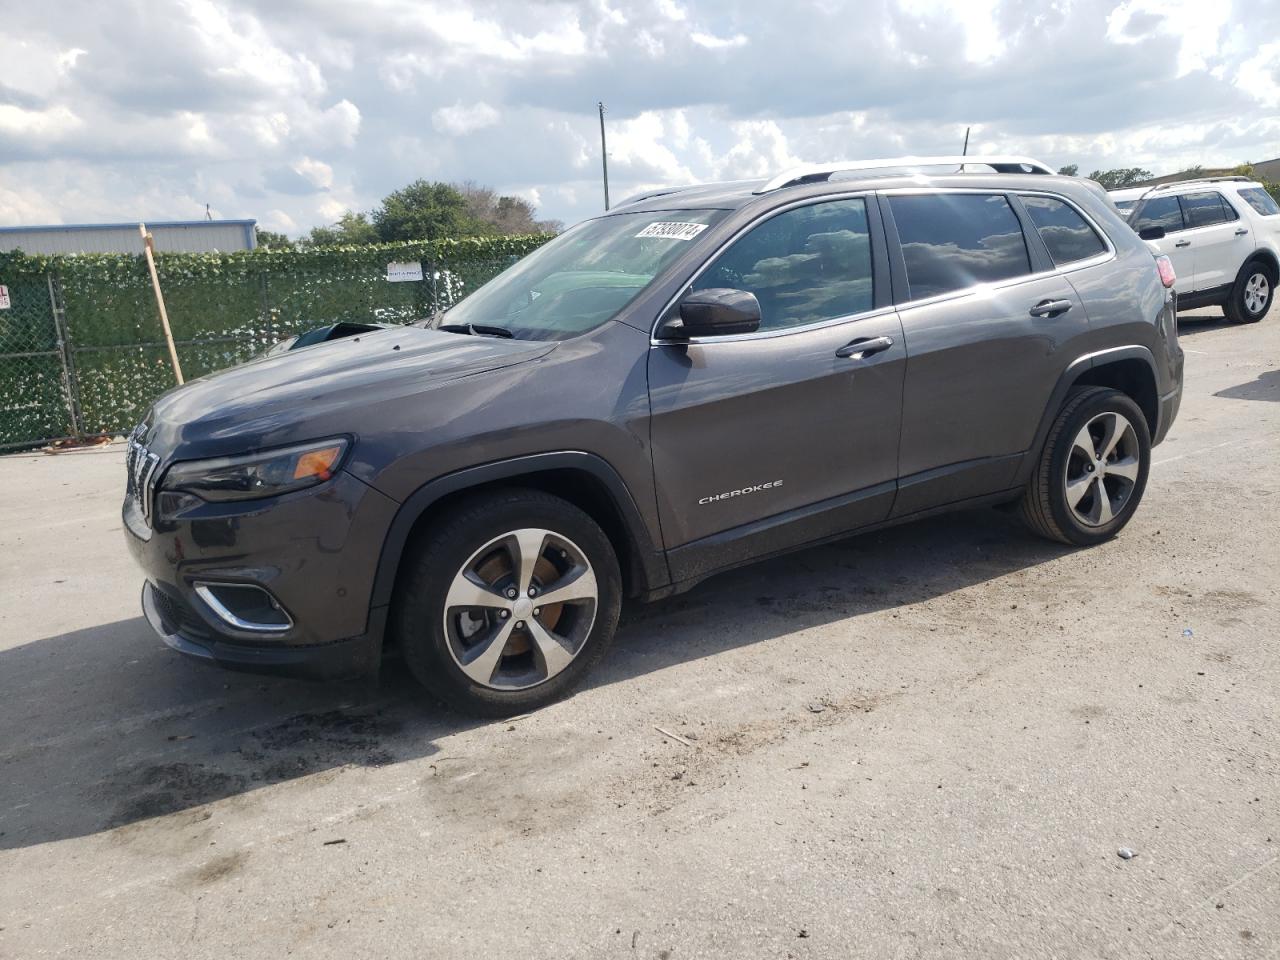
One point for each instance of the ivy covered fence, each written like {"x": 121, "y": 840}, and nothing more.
{"x": 81, "y": 348}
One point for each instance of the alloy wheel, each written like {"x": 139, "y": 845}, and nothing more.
{"x": 520, "y": 609}
{"x": 1257, "y": 291}
{"x": 1102, "y": 468}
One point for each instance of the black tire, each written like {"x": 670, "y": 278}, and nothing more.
{"x": 1241, "y": 305}
{"x": 1044, "y": 507}
{"x": 434, "y": 561}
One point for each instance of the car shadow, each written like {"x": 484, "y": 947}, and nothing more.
{"x": 107, "y": 728}
{"x": 1202, "y": 321}
{"x": 1265, "y": 387}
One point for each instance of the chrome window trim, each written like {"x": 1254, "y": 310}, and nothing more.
{"x": 863, "y": 194}
{"x": 220, "y": 609}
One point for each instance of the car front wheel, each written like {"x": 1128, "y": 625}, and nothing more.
{"x": 507, "y": 604}
{"x": 1093, "y": 470}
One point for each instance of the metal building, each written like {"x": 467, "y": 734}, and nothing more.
{"x": 171, "y": 236}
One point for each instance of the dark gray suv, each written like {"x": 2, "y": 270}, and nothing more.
{"x": 703, "y": 377}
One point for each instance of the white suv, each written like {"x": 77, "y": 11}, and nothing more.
{"x": 1222, "y": 234}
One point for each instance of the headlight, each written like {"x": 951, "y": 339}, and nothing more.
{"x": 258, "y": 475}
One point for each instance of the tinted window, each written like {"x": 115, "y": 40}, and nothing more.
{"x": 1159, "y": 212}
{"x": 1064, "y": 231}
{"x": 805, "y": 265}
{"x": 955, "y": 240}
{"x": 1203, "y": 209}
{"x": 1260, "y": 200}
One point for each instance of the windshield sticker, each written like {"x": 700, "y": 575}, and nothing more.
{"x": 672, "y": 230}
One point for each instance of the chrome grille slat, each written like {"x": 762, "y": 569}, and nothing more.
{"x": 141, "y": 466}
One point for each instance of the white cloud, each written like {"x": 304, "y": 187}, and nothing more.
{"x": 1261, "y": 74}
{"x": 316, "y": 172}
{"x": 461, "y": 119}
{"x": 672, "y": 11}
{"x": 305, "y": 111}
{"x": 1195, "y": 24}
{"x": 50, "y": 124}
{"x": 712, "y": 42}
{"x": 280, "y": 221}
{"x": 976, "y": 19}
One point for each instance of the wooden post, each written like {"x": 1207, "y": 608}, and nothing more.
{"x": 148, "y": 244}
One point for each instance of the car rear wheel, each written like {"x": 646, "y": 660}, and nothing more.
{"x": 1251, "y": 294}
{"x": 1093, "y": 470}
{"x": 505, "y": 606}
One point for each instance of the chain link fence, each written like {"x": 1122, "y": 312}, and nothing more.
{"x": 81, "y": 348}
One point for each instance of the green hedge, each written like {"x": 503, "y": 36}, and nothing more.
{"x": 223, "y": 308}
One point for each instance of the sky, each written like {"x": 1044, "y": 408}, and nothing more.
{"x": 292, "y": 111}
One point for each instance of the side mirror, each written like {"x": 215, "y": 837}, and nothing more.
{"x": 716, "y": 312}
{"x": 1151, "y": 233}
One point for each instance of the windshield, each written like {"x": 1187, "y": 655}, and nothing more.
{"x": 583, "y": 277}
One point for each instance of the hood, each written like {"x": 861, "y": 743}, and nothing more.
{"x": 274, "y": 399}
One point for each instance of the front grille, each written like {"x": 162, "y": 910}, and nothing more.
{"x": 140, "y": 469}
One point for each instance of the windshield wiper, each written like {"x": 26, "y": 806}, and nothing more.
{"x": 477, "y": 329}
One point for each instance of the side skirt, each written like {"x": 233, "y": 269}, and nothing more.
{"x": 1204, "y": 298}
{"x": 731, "y": 548}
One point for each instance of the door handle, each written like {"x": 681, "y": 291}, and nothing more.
{"x": 864, "y": 347}
{"x": 1241, "y": 232}
{"x": 1050, "y": 308}
{"x": 1183, "y": 243}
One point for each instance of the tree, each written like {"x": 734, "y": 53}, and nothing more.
{"x": 426, "y": 211}
{"x": 431, "y": 211}
{"x": 1070, "y": 170}
{"x": 508, "y": 216}
{"x": 351, "y": 228}
{"x": 270, "y": 239}
{"x": 1122, "y": 177}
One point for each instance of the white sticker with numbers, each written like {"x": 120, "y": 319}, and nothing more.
{"x": 672, "y": 230}
{"x": 4, "y": 297}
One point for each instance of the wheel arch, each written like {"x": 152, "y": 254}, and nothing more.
{"x": 583, "y": 479}
{"x": 1263, "y": 255}
{"x": 1129, "y": 369}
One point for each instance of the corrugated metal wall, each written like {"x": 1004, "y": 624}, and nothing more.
{"x": 195, "y": 236}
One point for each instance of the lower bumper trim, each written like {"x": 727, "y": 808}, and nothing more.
{"x": 344, "y": 659}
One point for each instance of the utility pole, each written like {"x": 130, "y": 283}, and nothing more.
{"x": 965, "y": 151}
{"x": 604, "y": 155}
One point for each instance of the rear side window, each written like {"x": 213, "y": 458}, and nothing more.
{"x": 1205, "y": 209}
{"x": 804, "y": 265}
{"x": 1066, "y": 234}
{"x": 1163, "y": 212}
{"x": 1260, "y": 200}
{"x": 955, "y": 240}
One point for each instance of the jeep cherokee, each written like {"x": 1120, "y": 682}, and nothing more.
{"x": 701, "y": 377}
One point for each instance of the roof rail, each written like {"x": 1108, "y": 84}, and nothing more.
{"x": 668, "y": 191}
{"x": 819, "y": 172}
{"x": 1182, "y": 183}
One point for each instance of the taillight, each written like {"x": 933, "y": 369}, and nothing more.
{"x": 1165, "y": 266}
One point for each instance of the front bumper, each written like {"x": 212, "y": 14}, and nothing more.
{"x": 342, "y": 659}
{"x": 315, "y": 552}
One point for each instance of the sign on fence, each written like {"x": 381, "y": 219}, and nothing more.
{"x": 4, "y": 297}
{"x": 404, "y": 272}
